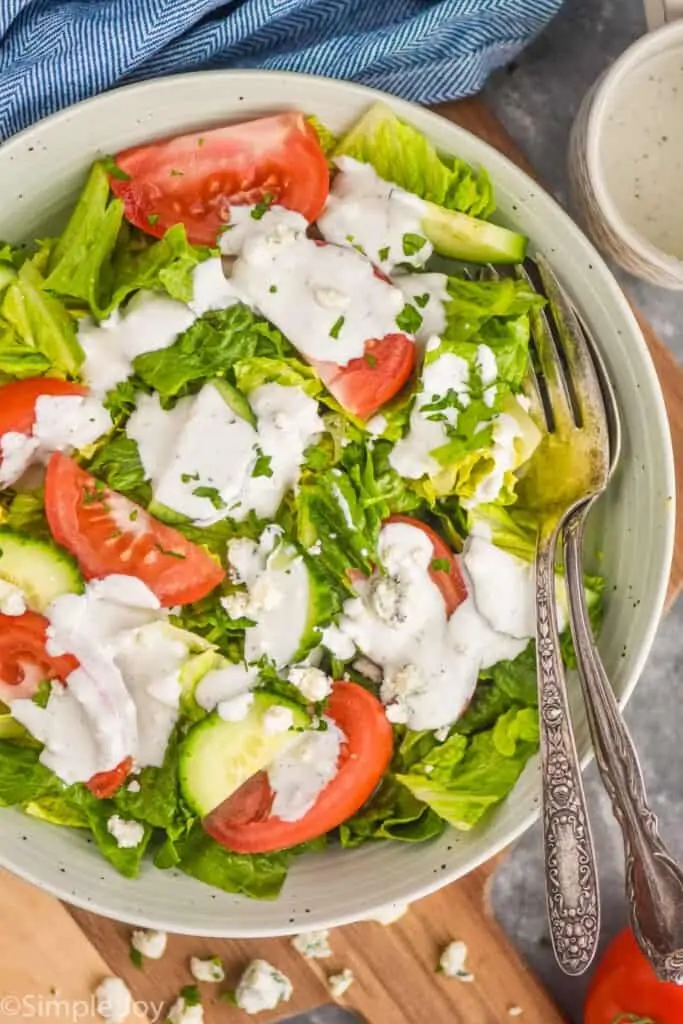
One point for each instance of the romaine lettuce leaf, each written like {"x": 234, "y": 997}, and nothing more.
{"x": 22, "y": 777}
{"x": 99, "y": 260}
{"x": 259, "y": 876}
{"x": 290, "y": 372}
{"x": 97, "y": 813}
{"x": 80, "y": 266}
{"x": 40, "y": 322}
{"x": 117, "y": 463}
{"x": 157, "y": 800}
{"x": 58, "y": 810}
{"x": 331, "y": 520}
{"x": 468, "y": 776}
{"x": 24, "y": 511}
{"x": 210, "y": 348}
{"x": 403, "y": 155}
{"x": 18, "y": 359}
{"x": 326, "y": 137}
{"x": 392, "y": 813}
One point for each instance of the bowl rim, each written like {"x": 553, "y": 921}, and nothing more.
{"x": 648, "y": 47}
{"x": 520, "y": 180}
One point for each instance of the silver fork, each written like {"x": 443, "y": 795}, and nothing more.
{"x": 654, "y": 880}
{"x": 570, "y": 467}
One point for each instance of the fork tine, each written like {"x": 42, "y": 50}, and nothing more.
{"x": 549, "y": 367}
{"x": 582, "y": 375}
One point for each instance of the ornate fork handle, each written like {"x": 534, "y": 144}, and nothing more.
{"x": 654, "y": 881}
{"x": 571, "y": 877}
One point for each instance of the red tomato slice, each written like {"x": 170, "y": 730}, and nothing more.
{"x": 195, "y": 179}
{"x": 625, "y": 984}
{"x": 18, "y": 401}
{"x": 244, "y": 823}
{"x": 107, "y": 533}
{"x": 364, "y": 385}
{"x": 24, "y": 662}
{"x": 449, "y": 581}
{"x": 105, "y": 784}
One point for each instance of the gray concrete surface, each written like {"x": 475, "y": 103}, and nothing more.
{"x": 537, "y": 101}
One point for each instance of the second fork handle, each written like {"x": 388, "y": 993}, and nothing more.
{"x": 654, "y": 880}
{"x": 570, "y": 871}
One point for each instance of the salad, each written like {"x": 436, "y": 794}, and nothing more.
{"x": 265, "y": 564}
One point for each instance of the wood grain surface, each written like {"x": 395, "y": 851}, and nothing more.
{"x": 44, "y": 945}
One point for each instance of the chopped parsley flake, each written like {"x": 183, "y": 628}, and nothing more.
{"x": 169, "y": 551}
{"x": 134, "y": 515}
{"x": 440, "y": 565}
{"x": 187, "y": 478}
{"x": 370, "y": 360}
{"x": 152, "y": 218}
{"x": 262, "y": 466}
{"x": 413, "y": 243}
{"x": 136, "y": 957}
{"x": 175, "y": 173}
{"x": 272, "y": 289}
{"x": 384, "y": 254}
{"x": 113, "y": 169}
{"x": 263, "y": 206}
{"x": 409, "y": 320}
{"x": 190, "y": 993}
{"x": 422, "y": 300}
{"x": 336, "y": 327}
{"x": 212, "y": 494}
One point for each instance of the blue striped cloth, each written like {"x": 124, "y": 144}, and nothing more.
{"x": 56, "y": 52}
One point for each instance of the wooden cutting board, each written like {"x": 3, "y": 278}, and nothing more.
{"x": 52, "y": 956}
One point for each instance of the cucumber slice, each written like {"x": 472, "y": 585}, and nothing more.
{"x": 39, "y": 568}
{"x": 217, "y": 757}
{"x": 191, "y": 674}
{"x": 475, "y": 241}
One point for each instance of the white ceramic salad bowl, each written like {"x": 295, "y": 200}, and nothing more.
{"x": 41, "y": 171}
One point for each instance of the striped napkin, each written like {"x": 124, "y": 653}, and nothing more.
{"x": 56, "y": 52}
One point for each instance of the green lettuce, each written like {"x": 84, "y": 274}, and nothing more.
{"x": 210, "y": 348}
{"x": 117, "y": 463}
{"x": 290, "y": 372}
{"x": 157, "y": 800}
{"x": 393, "y": 812}
{"x": 24, "y": 511}
{"x": 464, "y": 777}
{"x": 332, "y": 521}
{"x": 326, "y": 137}
{"x": 403, "y": 155}
{"x": 40, "y": 324}
{"x": 22, "y": 777}
{"x": 99, "y": 259}
{"x": 260, "y": 876}
{"x": 96, "y": 813}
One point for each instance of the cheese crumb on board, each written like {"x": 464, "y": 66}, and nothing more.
{"x": 262, "y": 987}
{"x": 207, "y": 970}
{"x": 149, "y": 943}
{"x": 113, "y": 1000}
{"x": 452, "y": 962}
{"x": 340, "y": 983}
{"x": 313, "y": 945}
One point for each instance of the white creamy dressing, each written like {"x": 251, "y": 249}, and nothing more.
{"x": 149, "y": 322}
{"x": 411, "y": 456}
{"x": 63, "y": 423}
{"x": 122, "y": 700}
{"x": 201, "y": 455}
{"x": 364, "y": 210}
{"x": 428, "y": 294}
{"x": 431, "y": 663}
{"x": 300, "y": 774}
{"x": 222, "y": 685}
{"x": 326, "y": 299}
{"x": 277, "y": 596}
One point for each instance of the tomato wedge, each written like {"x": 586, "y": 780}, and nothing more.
{"x": 243, "y": 822}
{"x": 195, "y": 179}
{"x": 18, "y": 400}
{"x": 625, "y": 987}
{"x": 24, "y": 662}
{"x": 107, "y": 533}
{"x": 449, "y": 580}
{"x": 364, "y": 385}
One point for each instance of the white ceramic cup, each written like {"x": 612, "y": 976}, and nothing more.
{"x": 626, "y": 154}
